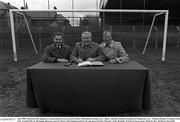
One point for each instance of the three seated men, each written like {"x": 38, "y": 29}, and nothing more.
{"x": 86, "y": 50}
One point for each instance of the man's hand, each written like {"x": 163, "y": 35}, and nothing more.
{"x": 91, "y": 59}
{"x": 121, "y": 60}
{"x": 79, "y": 60}
{"x": 62, "y": 60}
{"x": 112, "y": 61}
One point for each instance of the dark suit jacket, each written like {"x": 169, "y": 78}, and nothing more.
{"x": 51, "y": 53}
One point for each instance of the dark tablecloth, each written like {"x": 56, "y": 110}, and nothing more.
{"x": 112, "y": 88}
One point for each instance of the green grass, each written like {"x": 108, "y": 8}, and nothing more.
{"x": 165, "y": 83}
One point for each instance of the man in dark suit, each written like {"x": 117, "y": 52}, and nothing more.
{"x": 58, "y": 51}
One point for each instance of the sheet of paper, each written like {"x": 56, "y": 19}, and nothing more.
{"x": 88, "y": 63}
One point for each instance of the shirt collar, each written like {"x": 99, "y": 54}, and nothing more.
{"x": 110, "y": 45}
{"x": 55, "y": 47}
{"x": 85, "y": 46}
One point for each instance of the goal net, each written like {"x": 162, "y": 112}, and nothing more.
{"x": 135, "y": 29}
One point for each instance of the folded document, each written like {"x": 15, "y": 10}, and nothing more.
{"x": 88, "y": 63}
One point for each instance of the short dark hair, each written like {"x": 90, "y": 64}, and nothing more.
{"x": 58, "y": 33}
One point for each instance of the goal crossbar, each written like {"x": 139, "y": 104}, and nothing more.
{"x": 96, "y": 10}
{"x": 158, "y": 12}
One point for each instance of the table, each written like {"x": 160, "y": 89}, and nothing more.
{"x": 110, "y": 89}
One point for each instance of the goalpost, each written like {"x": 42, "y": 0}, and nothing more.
{"x": 157, "y": 12}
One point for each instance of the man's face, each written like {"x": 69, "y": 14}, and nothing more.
{"x": 58, "y": 40}
{"x": 86, "y": 39}
{"x": 107, "y": 37}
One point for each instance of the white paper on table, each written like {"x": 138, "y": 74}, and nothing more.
{"x": 88, "y": 63}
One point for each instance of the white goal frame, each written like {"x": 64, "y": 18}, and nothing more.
{"x": 157, "y": 12}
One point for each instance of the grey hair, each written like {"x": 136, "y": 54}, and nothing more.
{"x": 86, "y": 32}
